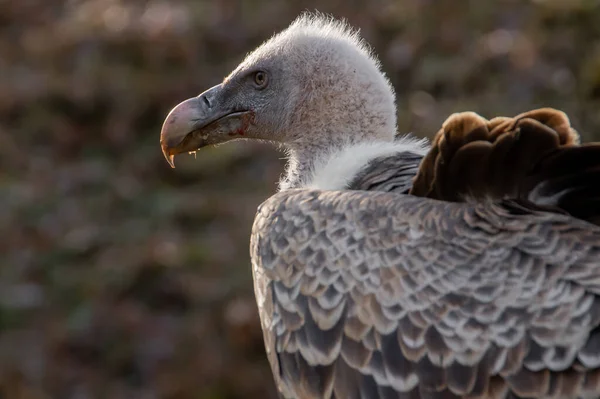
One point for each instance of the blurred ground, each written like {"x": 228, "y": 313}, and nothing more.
{"x": 122, "y": 278}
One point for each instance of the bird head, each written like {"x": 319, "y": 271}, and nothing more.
{"x": 314, "y": 85}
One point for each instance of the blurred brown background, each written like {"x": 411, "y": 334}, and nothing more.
{"x": 123, "y": 278}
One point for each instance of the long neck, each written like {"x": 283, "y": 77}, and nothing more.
{"x": 301, "y": 164}
{"x": 320, "y": 129}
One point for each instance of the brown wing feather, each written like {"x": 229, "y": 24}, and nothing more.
{"x": 534, "y": 158}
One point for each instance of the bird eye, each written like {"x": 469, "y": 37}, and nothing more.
{"x": 260, "y": 78}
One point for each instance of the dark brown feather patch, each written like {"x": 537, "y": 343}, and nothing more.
{"x": 534, "y": 158}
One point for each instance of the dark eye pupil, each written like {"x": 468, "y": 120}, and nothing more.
{"x": 260, "y": 78}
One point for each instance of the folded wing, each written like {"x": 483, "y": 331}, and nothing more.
{"x": 382, "y": 295}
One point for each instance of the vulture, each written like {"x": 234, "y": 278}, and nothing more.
{"x": 388, "y": 267}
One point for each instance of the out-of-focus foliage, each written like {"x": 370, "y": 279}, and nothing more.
{"x": 122, "y": 278}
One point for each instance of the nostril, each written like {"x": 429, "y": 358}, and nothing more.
{"x": 205, "y": 99}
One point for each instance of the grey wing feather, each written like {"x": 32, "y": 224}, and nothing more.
{"x": 382, "y": 295}
{"x": 393, "y": 173}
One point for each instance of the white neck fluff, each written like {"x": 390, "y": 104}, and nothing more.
{"x": 336, "y": 169}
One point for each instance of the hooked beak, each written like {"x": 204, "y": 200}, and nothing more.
{"x": 201, "y": 121}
